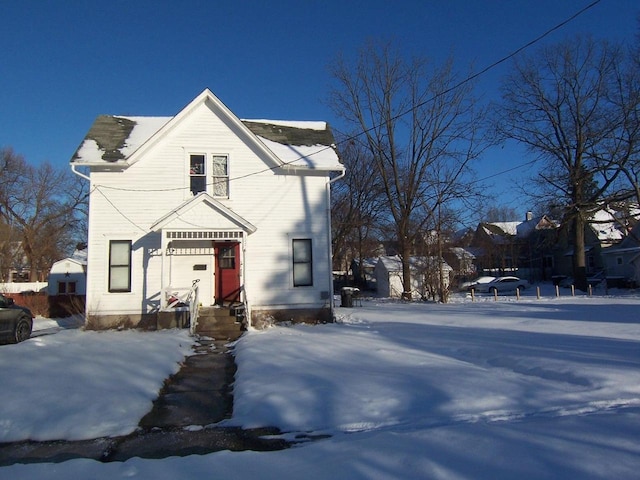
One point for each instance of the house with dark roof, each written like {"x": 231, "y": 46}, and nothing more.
{"x": 604, "y": 231}
{"x": 622, "y": 261}
{"x": 205, "y": 209}
{"x": 524, "y": 247}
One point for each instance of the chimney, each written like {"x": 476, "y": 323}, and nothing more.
{"x": 529, "y": 216}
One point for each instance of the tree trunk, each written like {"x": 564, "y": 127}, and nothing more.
{"x": 579, "y": 256}
{"x": 405, "y": 257}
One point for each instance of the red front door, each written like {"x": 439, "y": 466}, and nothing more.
{"x": 227, "y": 272}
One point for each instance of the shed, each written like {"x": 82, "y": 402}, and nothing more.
{"x": 69, "y": 275}
{"x": 424, "y": 275}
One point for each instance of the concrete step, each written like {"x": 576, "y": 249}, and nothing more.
{"x": 219, "y": 323}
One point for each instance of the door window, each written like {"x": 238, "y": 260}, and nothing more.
{"x": 227, "y": 258}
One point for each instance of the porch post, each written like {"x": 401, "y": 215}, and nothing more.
{"x": 164, "y": 243}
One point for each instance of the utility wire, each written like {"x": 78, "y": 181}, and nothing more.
{"x": 399, "y": 115}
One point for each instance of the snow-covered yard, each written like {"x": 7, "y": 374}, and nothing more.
{"x": 523, "y": 389}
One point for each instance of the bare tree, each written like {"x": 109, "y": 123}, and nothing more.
{"x": 416, "y": 118}
{"x": 45, "y": 205}
{"x": 501, "y": 214}
{"x": 356, "y": 207}
{"x": 575, "y": 105}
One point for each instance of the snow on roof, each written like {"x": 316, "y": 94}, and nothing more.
{"x": 462, "y": 253}
{"x": 510, "y": 228}
{"x": 80, "y": 255}
{"x": 518, "y": 229}
{"x": 112, "y": 139}
{"x": 315, "y": 156}
{"x": 605, "y": 226}
{"x": 145, "y": 128}
{"x": 308, "y": 125}
{"x": 394, "y": 264}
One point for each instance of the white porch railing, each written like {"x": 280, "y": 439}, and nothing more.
{"x": 183, "y": 297}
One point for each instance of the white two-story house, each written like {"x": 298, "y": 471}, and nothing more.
{"x": 240, "y": 208}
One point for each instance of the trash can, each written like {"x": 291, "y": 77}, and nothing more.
{"x": 346, "y": 296}
{"x": 556, "y": 279}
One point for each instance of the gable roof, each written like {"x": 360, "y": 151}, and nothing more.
{"x": 502, "y": 231}
{"x": 118, "y": 141}
{"x": 201, "y": 204}
{"x": 393, "y": 263}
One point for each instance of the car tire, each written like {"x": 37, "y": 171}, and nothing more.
{"x": 22, "y": 330}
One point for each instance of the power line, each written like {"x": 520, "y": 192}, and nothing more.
{"x": 399, "y": 115}
{"x": 480, "y": 73}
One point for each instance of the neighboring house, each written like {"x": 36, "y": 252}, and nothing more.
{"x": 522, "y": 247}
{"x": 602, "y": 233}
{"x": 424, "y": 276}
{"x": 462, "y": 262}
{"x": 623, "y": 260}
{"x": 635, "y": 261}
{"x": 242, "y": 207}
{"x": 69, "y": 275}
{"x": 363, "y": 275}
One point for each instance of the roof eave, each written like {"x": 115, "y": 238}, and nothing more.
{"x": 103, "y": 165}
{"x": 305, "y": 168}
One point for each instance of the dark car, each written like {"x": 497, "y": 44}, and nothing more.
{"x": 16, "y": 322}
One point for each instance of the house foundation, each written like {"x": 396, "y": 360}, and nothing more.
{"x": 264, "y": 318}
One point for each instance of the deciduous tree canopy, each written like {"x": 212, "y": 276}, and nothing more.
{"x": 42, "y": 210}
{"x": 576, "y": 106}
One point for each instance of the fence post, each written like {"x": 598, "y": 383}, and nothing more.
{"x": 473, "y": 292}
{"x": 495, "y": 295}
{"x": 517, "y": 293}
{"x": 538, "y": 292}
{"x": 557, "y": 291}
{"x": 573, "y": 290}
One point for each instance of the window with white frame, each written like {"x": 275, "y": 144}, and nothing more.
{"x": 197, "y": 174}
{"x": 209, "y": 173}
{"x": 120, "y": 266}
{"x": 302, "y": 263}
{"x": 220, "y": 176}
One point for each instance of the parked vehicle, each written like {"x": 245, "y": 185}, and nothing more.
{"x": 468, "y": 286}
{"x": 503, "y": 285}
{"x": 16, "y": 322}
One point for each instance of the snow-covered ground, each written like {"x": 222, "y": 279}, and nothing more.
{"x": 528, "y": 389}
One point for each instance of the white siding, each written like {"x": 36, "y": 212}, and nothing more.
{"x": 124, "y": 205}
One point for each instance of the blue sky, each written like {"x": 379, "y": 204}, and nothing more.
{"x": 62, "y": 63}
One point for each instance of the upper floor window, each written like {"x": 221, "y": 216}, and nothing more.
{"x": 209, "y": 173}
{"x": 197, "y": 174}
{"x": 220, "y": 176}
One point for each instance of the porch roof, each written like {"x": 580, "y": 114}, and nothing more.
{"x": 203, "y": 212}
